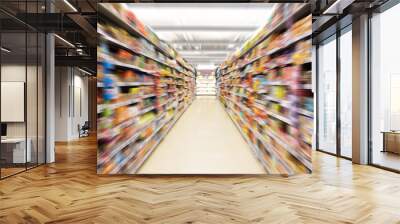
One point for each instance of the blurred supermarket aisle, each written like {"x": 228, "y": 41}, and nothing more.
{"x": 203, "y": 141}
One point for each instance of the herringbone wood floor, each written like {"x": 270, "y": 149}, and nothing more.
{"x": 69, "y": 191}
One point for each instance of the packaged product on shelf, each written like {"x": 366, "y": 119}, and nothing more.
{"x": 129, "y": 76}
{"x": 124, "y": 55}
{"x": 276, "y": 17}
{"x": 110, "y": 94}
{"x": 121, "y": 114}
{"x": 306, "y": 103}
{"x": 306, "y": 127}
{"x": 279, "y": 92}
{"x": 303, "y": 52}
{"x": 147, "y": 117}
{"x": 129, "y": 97}
{"x": 306, "y": 77}
{"x": 147, "y": 132}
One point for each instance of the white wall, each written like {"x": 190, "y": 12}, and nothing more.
{"x": 71, "y": 87}
{"x": 62, "y": 82}
{"x": 16, "y": 73}
{"x": 79, "y": 115}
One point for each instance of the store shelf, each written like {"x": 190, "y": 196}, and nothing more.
{"x": 243, "y": 107}
{"x": 255, "y": 149}
{"x": 205, "y": 86}
{"x": 280, "y": 117}
{"x": 108, "y": 13}
{"x": 100, "y": 84}
{"x": 113, "y": 106}
{"x": 301, "y": 12}
{"x": 238, "y": 94}
{"x": 289, "y": 63}
{"x": 107, "y": 37}
{"x": 136, "y": 168}
{"x": 290, "y": 43}
{"x": 251, "y": 145}
{"x": 265, "y": 96}
{"x": 169, "y": 88}
{"x": 300, "y": 156}
{"x": 103, "y": 158}
{"x": 274, "y": 99}
{"x": 123, "y": 64}
{"x": 305, "y": 112}
{"x": 137, "y": 149}
{"x": 111, "y": 39}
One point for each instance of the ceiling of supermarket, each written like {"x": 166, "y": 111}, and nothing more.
{"x": 204, "y": 34}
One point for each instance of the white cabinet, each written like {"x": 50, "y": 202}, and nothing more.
{"x": 16, "y": 147}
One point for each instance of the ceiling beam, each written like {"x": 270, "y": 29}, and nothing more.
{"x": 79, "y": 61}
{"x": 86, "y": 26}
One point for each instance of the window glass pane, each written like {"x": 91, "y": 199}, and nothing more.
{"x": 22, "y": 87}
{"x": 327, "y": 96}
{"x": 31, "y": 97}
{"x": 41, "y": 98}
{"x": 346, "y": 94}
{"x": 385, "y": 84}
{"x": 13, "y": 86}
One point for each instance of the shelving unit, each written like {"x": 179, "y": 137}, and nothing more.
{"x": 266, "y": 90}
{"x": 205, "y": 85}
{"x": 144, "y": 86}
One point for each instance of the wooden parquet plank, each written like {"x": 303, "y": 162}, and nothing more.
{"x": 70, "y": 191}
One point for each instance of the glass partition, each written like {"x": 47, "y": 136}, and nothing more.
{"x": 346, "y": 92}
{"x": 14, "y": 145}
{"x": 22, "y": 88}
{"x": 327, "y": 95}
{"x": 385, "y": 89}
{"x": 41, "y": 97}
{"x": 32, "y": 98}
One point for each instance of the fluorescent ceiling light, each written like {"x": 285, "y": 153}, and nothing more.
{"x": 70, "y": 5}
{"x": 5, "y": 50}
{"x": 64, "y": 40}
{"x": 86, "y": 72}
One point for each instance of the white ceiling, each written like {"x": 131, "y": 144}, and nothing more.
{"x": 203, "y": 33}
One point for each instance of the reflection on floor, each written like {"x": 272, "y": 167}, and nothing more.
{"x": 10, "y": 171}
{"x": 387, "y": 159}
{"x": 203, "y": 141}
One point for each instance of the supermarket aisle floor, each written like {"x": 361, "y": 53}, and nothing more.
{"x": 203, "y": 141}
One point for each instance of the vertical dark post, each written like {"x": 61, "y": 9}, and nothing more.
{"x": 316, "y": 95}
{"x": 338, "y": 76}
{"x": 26, "y": 86}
